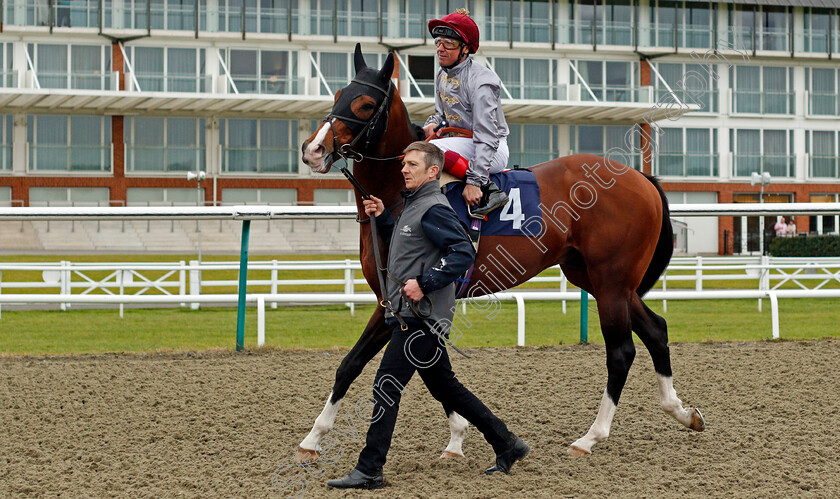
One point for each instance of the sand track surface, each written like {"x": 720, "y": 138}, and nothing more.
{"x": 221, "y": 424}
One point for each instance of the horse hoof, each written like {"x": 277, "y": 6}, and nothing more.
{"x": 577, "y": 451}
{"x": 697, "y": 422}
{"x": 450, "y": 455}
{"x": 305, "y": 456}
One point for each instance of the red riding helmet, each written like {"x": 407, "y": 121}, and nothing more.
{"x": 458, "y": 26}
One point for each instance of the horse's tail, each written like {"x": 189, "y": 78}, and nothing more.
{"x": 664, "y": 246}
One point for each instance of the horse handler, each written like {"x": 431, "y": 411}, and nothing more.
{"x": 428, "y": 251}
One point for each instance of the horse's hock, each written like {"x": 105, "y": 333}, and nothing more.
{"x": 220, "y": 424}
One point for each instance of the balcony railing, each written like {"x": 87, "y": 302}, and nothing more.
{"x": 156, "y": 82}
{"x": 616, "y": 93}
{"x": 816, "y": 40}
{"x": 280, "y": 85}
{"x": 79, "y": 80}
{"x": 9, "y": 78}
{"x": 823, "y": 104}
{"x": 776, "y": 165}
{"x": 706, "y": 99}
{"x": 747, "y": 38}
{"x": 259, "y": 160}
{"x": 669, "y": 36}
{"x": 73, "y": 158}
{"x": 825, "y": 166}
{"x": 157, "y": 159}
{"x": 687, "y": 165}
{"x": 749, "y": 102}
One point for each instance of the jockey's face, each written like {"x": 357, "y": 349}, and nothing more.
{"x": 448, "y": 56}
{"x": 415, "y": 172}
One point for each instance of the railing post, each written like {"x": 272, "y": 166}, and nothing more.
{"x": 1, "y": 292}
{"x": 348, "y": 285}
{"x": 665, "y": 288}
{"x": 764, "y": 277}
{"x": 274, "y": 281}
{"x": 243, "y": 286}
{"x": 195, "y": 283}
{"x": 260, "y": 321}
{"x": 120, "y": 284}
{"x": 520, "y": 320}
{"x": 584, "y": 317}
{"x": 698, "y": 285}
{"x": 64, "y": 283}
{"x": 774, "y": 314}
{"x": 182, "y": 281}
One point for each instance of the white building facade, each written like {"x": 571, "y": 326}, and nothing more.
{"x": 113, "y": 102}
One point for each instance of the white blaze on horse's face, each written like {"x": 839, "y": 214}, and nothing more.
{"x": 314, "y": 155}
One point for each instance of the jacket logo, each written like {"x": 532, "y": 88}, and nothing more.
{"x": 405, "y": 230}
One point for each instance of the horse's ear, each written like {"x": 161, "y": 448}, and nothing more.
{"x": 359, "y": 59}
{"x": 388, "y": 69}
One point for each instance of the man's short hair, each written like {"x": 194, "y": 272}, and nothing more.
{"x": 432, "y": 155}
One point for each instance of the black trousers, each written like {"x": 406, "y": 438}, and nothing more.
{"x": 418, "y": 349}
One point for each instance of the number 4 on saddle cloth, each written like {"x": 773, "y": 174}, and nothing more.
{"x": 513, "y": 219}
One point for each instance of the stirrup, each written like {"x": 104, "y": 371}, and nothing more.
{"x": 492, "y": 199}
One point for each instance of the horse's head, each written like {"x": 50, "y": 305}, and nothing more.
{"x": 358, "y": 118}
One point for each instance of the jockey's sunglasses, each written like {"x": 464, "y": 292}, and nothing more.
{"x": 448, "y": 43}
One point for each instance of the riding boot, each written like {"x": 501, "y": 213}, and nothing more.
{"x": 492, "y": 197}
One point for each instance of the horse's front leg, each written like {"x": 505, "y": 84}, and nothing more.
{"x": 374, "y": 337}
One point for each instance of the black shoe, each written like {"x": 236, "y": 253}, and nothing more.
{"x": 505, "y": 460}
{"x": 492, "y": 198}
{"x": 358, "y": 480}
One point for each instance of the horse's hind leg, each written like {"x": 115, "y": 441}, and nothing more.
{"x": 653, "y": 331}
{"x": 613, "y": 310}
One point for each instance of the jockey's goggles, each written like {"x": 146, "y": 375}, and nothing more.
{"x": 448, "y": 43}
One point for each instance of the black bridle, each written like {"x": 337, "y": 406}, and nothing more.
{"x": 347, "y": 151}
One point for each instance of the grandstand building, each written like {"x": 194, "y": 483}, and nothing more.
{"x": 114, "y": 102}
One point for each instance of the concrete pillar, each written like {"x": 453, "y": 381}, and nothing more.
{"x": 644, "y": 139}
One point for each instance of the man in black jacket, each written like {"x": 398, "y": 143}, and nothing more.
{"x": 428, "y": 251}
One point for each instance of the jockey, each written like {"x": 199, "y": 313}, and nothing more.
{"x": 467, "y": 96}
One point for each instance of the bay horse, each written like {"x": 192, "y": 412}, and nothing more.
{"x": 605, "y": 224}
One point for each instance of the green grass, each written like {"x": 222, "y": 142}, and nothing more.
{"x": 322, "y": 327}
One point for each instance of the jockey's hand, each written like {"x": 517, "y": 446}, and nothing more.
{"x": 429, "y": 130}
{"x": 412, "y": 290}
{"x": 472, "y": 194}
{"x": 374, "y": 205}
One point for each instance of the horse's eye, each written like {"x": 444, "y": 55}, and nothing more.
{"x": 368, "y": 107}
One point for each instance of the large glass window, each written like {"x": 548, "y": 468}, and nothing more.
{"x": 597, "y": 140}
{"x": 690, "y": 82}
{"x": 5, "y": 196}
{"x": 532, "y": 144}
{"x": 159, "y": 145}
{"x": 259, "y": 146}
{"x": 824, "y": 224}
{"x": 529, "y": 78}
{"x": 763, "y": 151}
{"x": 72, "y": 196}
{"x": 72, "y": 66}
{"x": 69, "y": 143}
{"x": 821, "y": 146}
{"x": 347, "y": 17}
{"x": 609, "y": 80}
{"x": 333, "y": 197}
{"x": 679, "y": 24}
{"x": 259, "y": 196}
{"x": 762, "y": 27}
{"x": 601, "y": 22}
{"x": 170, "y": 69}
{"x": 8, "y": 76}
{"x": 338, "y": 69}
{"x": 820, "y": 25}
{"x": 687, "y": 152}
{"x": 520, "y": 21}
{"x": 822, "y": 84}
{"x": 762, "y": 90}
{"x": 6, "y": 129}
{"x": 152, "y": 196}
{"x": 263, "y": 71}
